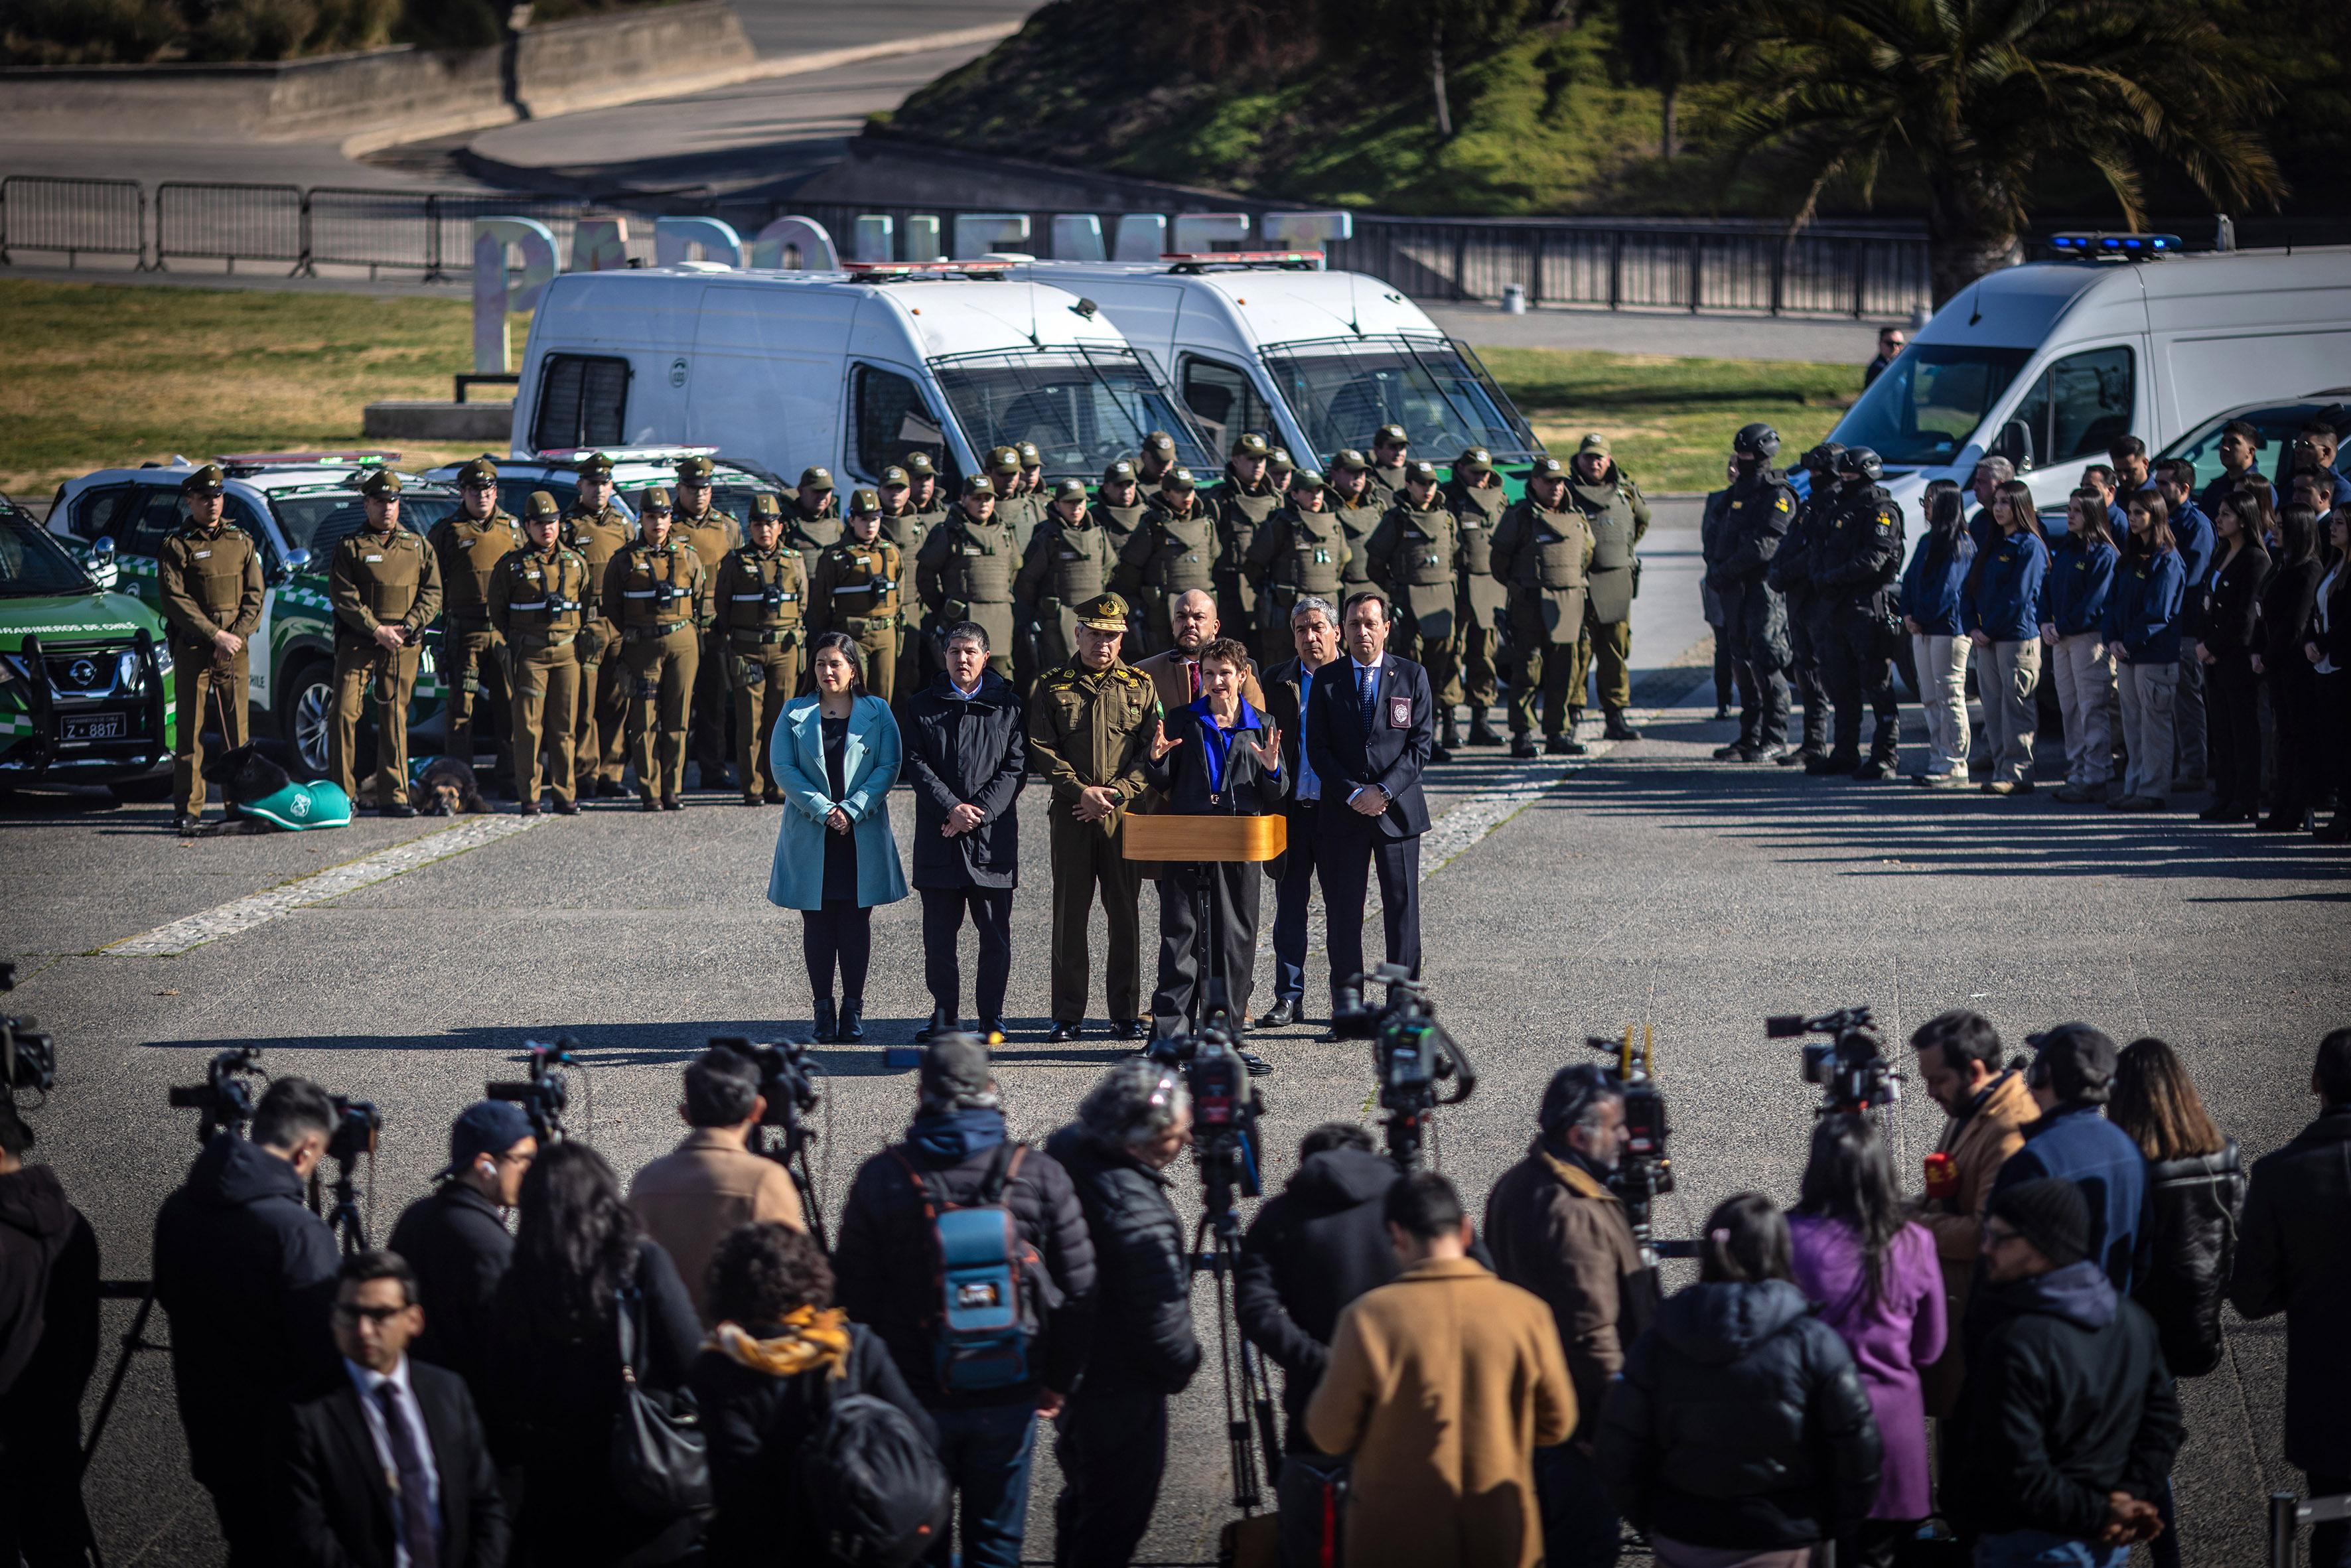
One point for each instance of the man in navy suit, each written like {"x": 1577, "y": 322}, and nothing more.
{"x": 1370, "y": 725}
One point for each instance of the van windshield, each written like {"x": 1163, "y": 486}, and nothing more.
{"x": 1343, "y": 389}
{"x": 1928, "y": 401}
{"x": 1084, "y": 408}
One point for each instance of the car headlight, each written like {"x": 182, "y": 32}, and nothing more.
{"x": 163, "y": 659}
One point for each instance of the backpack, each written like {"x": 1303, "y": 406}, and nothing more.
{"x": 985, "y": 1336}
{"x": 870, "y": 1487}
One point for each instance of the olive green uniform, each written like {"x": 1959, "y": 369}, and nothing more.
{"x": 965, "y": 573}
{"x": 473, "y": 655}
{"x": 600, "y": 736}
{"x": 1088, "y": 727}
{"x": 1118, "y": 522}
{"x": 1169, "y": 555}
{"x": 1415, "y": 553}
{"x": 860, "y": 593}
{"x": 1241, "y": 510}
{"x": 656, "y": 594}
{"x": 1618, "y": 516}
{"x": 390, "y": 578}
{"x": 1479, "y": 509}
{"x": 710, "y": 535}
{"x": 209, "y": 582}
{"x": 539, "y": 601}
{"x": 907, "y": 530}
{"x": 762, "y": 604}
{"x": 1358, "y": 520}
{"x": 1066, "y": 566}
{"x": 1298, "y": 555}
{"x": 1541, "y": 558}
{"x": 1021, "y": 512}
{"x": 1388, "y": 481}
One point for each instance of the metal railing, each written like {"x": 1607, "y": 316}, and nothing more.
{"x": 208, "y": 221}
{"x": 79, "y": 217}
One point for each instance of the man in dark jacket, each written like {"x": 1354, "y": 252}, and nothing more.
{"x": 2070, "y": 1077}
{"x": 2294, "y": 1256}
{"x": 247, "y": 1273}
{"x": 967, "y": 756}
{"x": 886, "y": 1276}
{"x": 1112, "y": 1442}
{"x": 49, "y": 1345}
{"x": 456, "y": 1240}
{"x": 2070, "y": 1422}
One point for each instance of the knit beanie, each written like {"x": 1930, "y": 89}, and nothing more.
{"x": 2077, "y": 1062}
{"x": 2052, "y": 1214}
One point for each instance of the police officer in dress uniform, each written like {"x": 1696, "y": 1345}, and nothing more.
{"x": 1391, "y": 452}
{"x": 1853, "y": 571}
{"x": 1091, "y": 724}
{"x": 538, "y": 602}
{"x": 858, "y": 593}
{"x": 1069, "y": 563}
{"x": 385, "y": 583}
{"x": 965, "y": 572}
{"x": 1791, "y": 576}
{"x": 1542, "y": 559}
{"x": 1157, "y": 457}
{"x": 208, "y": 576}
{"x": 1618, "y": 516}
{"x": 1245, "y": 497}
{"x": 1173, "y": 551}
{"x": 1300, "y": 552}
{"x": 1359, "y": 505}
{"x": 468, "y": 544}
{"x": 710, "y": 534}
{"x": 599, "y": 531}
{"x": 654, "y": 589}
{"x": 1476, "y": 494}
{"x": 762, "y": 602}
{"x": 1415, "y": 555}
{"x": 1759, "y": 510}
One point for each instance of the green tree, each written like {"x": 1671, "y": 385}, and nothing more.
{"x": 1972, "y": 97}
{"x": 1434, "y": 32}
{"x": 1667, "y": 45}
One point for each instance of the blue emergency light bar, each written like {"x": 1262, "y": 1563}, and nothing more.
{"x": 2127, "y": 245}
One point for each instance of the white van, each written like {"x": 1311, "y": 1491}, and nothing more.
{"x": 849, "y": 371}
{"x": 2047, "y": 364}
{"x": 1316, "y": 359}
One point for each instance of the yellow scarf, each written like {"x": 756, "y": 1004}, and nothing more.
{"x": 811, "y": 1338}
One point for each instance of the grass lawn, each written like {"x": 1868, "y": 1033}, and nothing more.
{"x": 108, "y": 375}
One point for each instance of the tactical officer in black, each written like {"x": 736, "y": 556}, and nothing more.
{"x": 1757, "y": 511}
{"x": 1853, "y": 569}
{"x": 1791, "y": 575}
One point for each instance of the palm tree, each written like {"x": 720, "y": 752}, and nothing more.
{"x": 1974, "y": 98}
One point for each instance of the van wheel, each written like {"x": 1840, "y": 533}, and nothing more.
{"x": 307, "y": 714}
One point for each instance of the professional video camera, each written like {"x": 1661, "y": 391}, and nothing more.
{"x": 28, "y": 1058}
{"x": 546, "y": 1094}
{"x": 1645, "y": 1169}
{"x": 226, "y": 1096}
{"x": 1850, "y": 1066}
{"x": 1412, "y": 1054}
{"x": 357, "y": 1122}
{"x": 788, "y": 1074}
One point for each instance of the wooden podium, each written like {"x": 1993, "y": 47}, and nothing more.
{"x": 1213, "y": 837}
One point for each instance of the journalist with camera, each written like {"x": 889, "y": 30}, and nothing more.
{"x": 247, "y": 1273}
{"x": 691, "y": 1198}
{"x": 48, "y": 1345}
{"x": 455, "y": 1239}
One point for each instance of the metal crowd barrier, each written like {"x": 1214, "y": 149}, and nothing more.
{"x": 2289, "y": 1513}
{"x": 80, "y": 217}
{"x": 218, "y": 220}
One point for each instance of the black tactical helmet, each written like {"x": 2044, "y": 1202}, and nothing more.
{"x": 1823, "y": 459}
{"x": 1756, "y": 441}
{"x": 1858, "y": 462}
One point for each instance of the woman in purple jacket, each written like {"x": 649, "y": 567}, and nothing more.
{"x": 2143, "y": 629}
{"x": 1879, "y": 1286}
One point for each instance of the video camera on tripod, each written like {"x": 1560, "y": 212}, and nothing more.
{"x": 1850, "y": 1066}
{"x": 226, "y": 1098}
{"x": 546, "y": 1093}
{"x": 1645, "y": 1170}
{"x": 28, "y": 1058}
{"x": 787, "y": 1075}
{"x": 1412, "y": 1054}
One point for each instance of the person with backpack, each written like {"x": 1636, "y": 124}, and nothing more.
{"x": 1113, "y": 1440}
{"x": 792, "y": 1396}
{"x": 958, "y": 1187}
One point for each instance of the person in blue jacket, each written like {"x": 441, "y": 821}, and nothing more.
{"x": 2073, "y": 626}
{"x": 2072, "y": 1078}
{"x": 2191, "y": 534}
{"x": 1939, "y": 644}
{"x": 2002, "y": 616}
{"x": 2143, "y": 629}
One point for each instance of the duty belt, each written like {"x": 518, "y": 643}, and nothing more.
{"x": 543, "y": 639}
{"x": 652, "y": 633}
{"x": 858, "y": 625}
{"x": 471, "y": 615}
{"x": 762, "y": 638}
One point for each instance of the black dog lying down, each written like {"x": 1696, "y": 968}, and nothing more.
{"x": 257, "y": 780}
{"x": 447, "y": 788}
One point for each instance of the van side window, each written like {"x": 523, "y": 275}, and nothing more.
{"x": 1222, "y": 398}
{"x": 581, "y": 400}
{"x": 2077, "y": 407}
{"x": 891, "y": 422}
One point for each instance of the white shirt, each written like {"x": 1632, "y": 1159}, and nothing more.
{"x": 960, "y": 694}
{"x": 371, "y": 1406}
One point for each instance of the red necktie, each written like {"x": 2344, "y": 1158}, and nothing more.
{"x": 1192, "y": 672}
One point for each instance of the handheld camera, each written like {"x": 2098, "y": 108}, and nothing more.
{"x": 1412, "y": 1054}
{"x": 1850, "y": 1066}
{"x": 225, "y": 1099}
{"x": 1645, "y": 1170}
{"x": 546, "y": 1094}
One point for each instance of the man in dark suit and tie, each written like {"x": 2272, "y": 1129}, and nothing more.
{"x": 387, "y": 1467}
{"x": 1314, "y": 632}
{"x": 1370, "y": 725}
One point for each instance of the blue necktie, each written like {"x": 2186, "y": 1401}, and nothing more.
{"x": 1367, "y": 683}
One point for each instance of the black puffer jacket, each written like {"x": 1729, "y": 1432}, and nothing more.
{"x": 1313, "y": 1249}
{"x": 48, "y": 1300}
{"x": 458, "y": 1244}
{"x": 1143, "y": 1320}
{"x": 2196, "y": 1204}
{"x": 1739, "y": 1421}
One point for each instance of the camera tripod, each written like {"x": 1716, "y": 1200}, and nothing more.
{"x": 1249, "y": 1427}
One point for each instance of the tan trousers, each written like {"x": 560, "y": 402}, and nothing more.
{"x": 2083, "y": 668}
{"x": 1943, "y": 692}
{"x": 661, "y": 675}
{"x": 546, "y": 710}
{"x": 2011, "y": 716}
{"x": 393, "y": 676}
{"x": 203, "y": 688}
{"x": 2148, "y": 693}
{"x": 599, "y": 740}
{"x": 764, "y": 675}
{"x": 474, "y": 671}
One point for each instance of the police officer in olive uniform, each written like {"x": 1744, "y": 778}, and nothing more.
{"x": 1016, "y": 508}
{"x": 965, "y": 573}
{"x": 1300, "y": 552}
{"x": 858, "y": 591}
{"x": 812, "y": 518}
{"x": 1158, "y": 456}
{"x": 1543, "y": 558}
{"x": 1173, "y": 551}
{"x": 1092, "y": 723}
{"x": 906, "y": 528}
{"x": 208, "y": 576}
{"x": 1245, "y": 497}
{"x": 385, "y": 583}
{"x": 1120, "y": 504}
{"x": 1757, "y": 511}
{"x": 654, "y": 589}
{"x": 1069, "y": 563}
{"x": 1618, "y": 516}
{"x": 599, "y": 531}
{"x": 1032, "y": 476}
{"x": 1853, "y": 569}
{"x": 1390, "y": 454}
{"x": 1359, "y": 505}
{"x": 1279, "y": 466}
{"x": 710, "y": 533}
{"x": 1476, "y": 494}
{"x": 468, "y": 544}
{"x": 1415, "y": 557}
{"x": 925, "y": 498}
{"x": 1791, "y": 576}
{"x": 762, "y": 602}
{"x": 538, "y": 602}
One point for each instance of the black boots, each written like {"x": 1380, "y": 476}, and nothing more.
{"x": 828, "y": 1024}
{"x": 852, "y": 1021}
{"x": 1619, "y": 728}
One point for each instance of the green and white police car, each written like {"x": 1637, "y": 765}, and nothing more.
{"x": 635, "y": 469}
{"x": 299, "y": 505}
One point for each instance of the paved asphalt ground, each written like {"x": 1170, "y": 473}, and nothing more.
{"x": 1647, "y": 885}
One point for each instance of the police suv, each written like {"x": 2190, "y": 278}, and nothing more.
{"x": 635, "y": 469}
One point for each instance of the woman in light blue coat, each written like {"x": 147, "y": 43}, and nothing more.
{"x": 835, "y": 755}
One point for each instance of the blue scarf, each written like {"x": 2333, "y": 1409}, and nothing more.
{"x": 951, "y": 1137}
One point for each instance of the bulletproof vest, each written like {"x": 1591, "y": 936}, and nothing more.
{"x": 1557, "y": 559}
{"x": 1120, "y": 522}
{"x": 1477, "y": 511}
{"x": 709, "y": 535}
{"x": 597, "y": 536}
{"x": 1388, "y": 482}
{"x": 546, "y": 594}
{"x": 1424, "y": 554}
{"x": 1610, "y": 521}
{"x": 1358, "y": 520}
{"x": 814, "y": 535}
{"x": 864, "y": 580}
{"x": 907, "y": 530}
{"x": 657, "y": 586}
{"x": 475, "y": 550}
{"x": 1308, "y": 562}
{"x": 1852, "y": 533}
{"x": 1239, "y": 513}
{"x": 214, "y": 577}
{"x": 388, "y": 570}
{"x": 1183, "y": 556}
{"x": 1076, "y": 566}
{"x": 765, "y": 590}
{"x": 979, "y": 562}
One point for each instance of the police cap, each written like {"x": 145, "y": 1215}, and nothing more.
{"x": 1029, "y": 456}
{"x": 1104, "y": 612}
{"x": 1069, "y": 490}
{"x": 480, "y": 471}
{"x": 767, "y": 508}
{"x": 1350, "y": 458}
{"x": 895, "y": 476}
{"x": 1592, "y": 441}
{"x": 1122, "y": 472}
{"x": 1547, "y": 468}
{"x": 1279, "y": 460}
{"x": 865, "y": 503}
{"x": 1421, "y": 468}
{"x": 381, "y": 484}
{"x": 1474, "y": 460}
{"x": 977, "y": 485}
{"x": 207, "y": 480}
{"x": 1251, "y": 444}
{"x": 541, "y": 509}
{"x": 1179, "y": 479}
{"x": 1004, "y": 460}
{"x": 919, "y": 465}
{"x": 1160, "y": 441}
{"x": 1306, "y": 479}
{"x": 656, "y": 499}
{"x": 1392, "y": 434}
{"x": 695, "y": 470}
{"x": 595, "y": 466}
{"x": 816, "y": 478}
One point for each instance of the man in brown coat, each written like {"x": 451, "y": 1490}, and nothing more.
{"x": 1557, "y": 1231}
{"x": 691, "y": 1198}
{"x": 1959, "y": 1064}
{"x": 1442, "y": 1385}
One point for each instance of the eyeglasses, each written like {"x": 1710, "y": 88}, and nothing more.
{"x": 351, "y": 1312}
